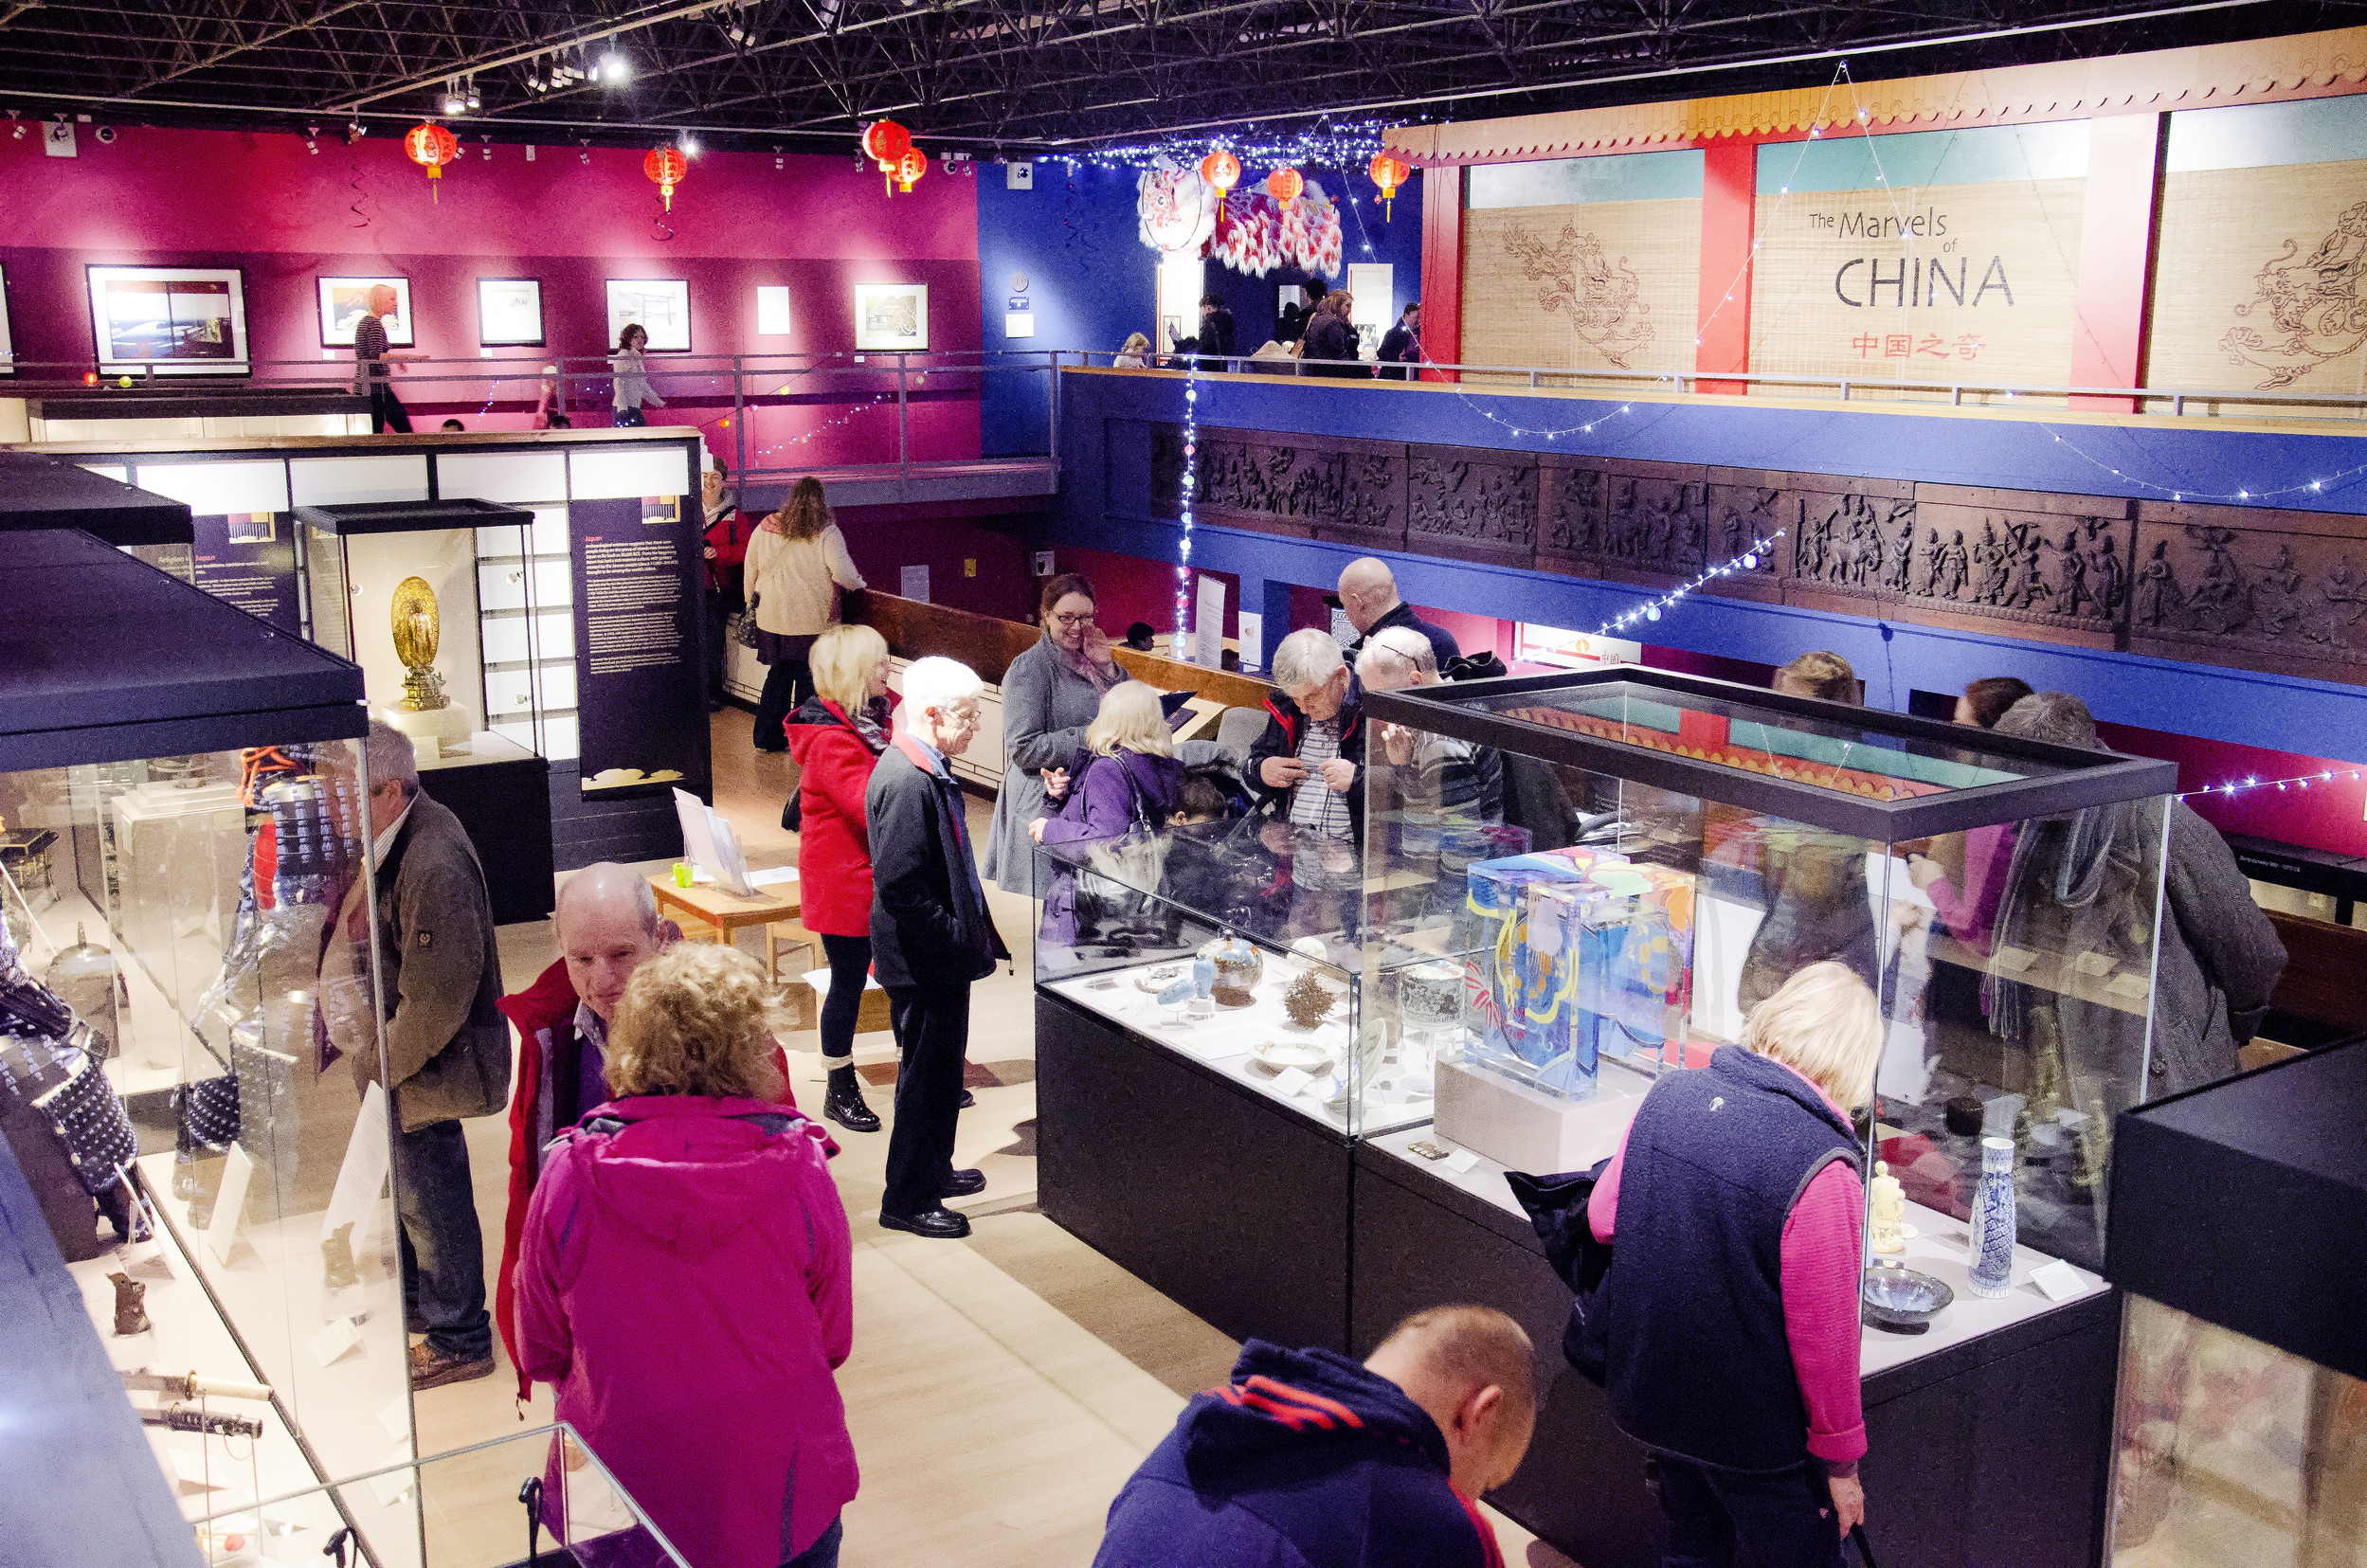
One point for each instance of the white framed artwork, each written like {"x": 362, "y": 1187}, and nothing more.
{"x": 660, "y": 305}
{"x": 508, "y": 313}
{"x": 892, "y": 317}
{"x": 772, "y": 310}
{"x": 345, "y": 300}
{"x": 8, "y": 344}
{"x": 180, "y": 320}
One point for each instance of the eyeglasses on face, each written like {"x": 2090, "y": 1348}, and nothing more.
{"x": 1073, "y": 619}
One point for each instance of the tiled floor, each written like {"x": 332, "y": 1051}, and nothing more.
{"x": 1003, "y": 1387}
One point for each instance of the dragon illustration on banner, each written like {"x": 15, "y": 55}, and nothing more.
{"x": 1602, "y": 297}
{"x": 2316, "y": 306}
{"x": 1178, "y": 216}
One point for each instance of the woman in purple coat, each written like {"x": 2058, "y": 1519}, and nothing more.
{"x": 685, "y": 1278}
{"x": 1128, "y": 776}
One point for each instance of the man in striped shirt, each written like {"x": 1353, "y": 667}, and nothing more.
{"x": 1309, "y": 764}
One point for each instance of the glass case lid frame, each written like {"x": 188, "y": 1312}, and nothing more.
{"x": 349, "y": 517}
{"x": 2086, "y": 778}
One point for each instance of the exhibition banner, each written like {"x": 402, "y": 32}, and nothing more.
{"x": 1940, "y": 256}
{"x": 643, "y": 714}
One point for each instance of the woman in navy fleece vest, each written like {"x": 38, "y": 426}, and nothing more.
{"x": 1730, "y": 1310}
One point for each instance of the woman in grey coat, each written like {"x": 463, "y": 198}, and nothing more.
{"x": 1050, "y": 694}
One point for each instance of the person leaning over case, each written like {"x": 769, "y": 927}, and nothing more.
{"x": 1729, "y": 1314}
{"x": 1307, "y": 1459}
{"x": 1308, "y": 761}
{"x": 930, "y": 937}
{"x": 686, "y": 1278}
{"x": 447, "y": 1054}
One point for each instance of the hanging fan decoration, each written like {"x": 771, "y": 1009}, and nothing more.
{"x": 431, "y": 147}
{"x": 885, "y": 143}
{"x": 1389, "y": 171}
{"x": 666, "y": 166}
{"x": 1175, "y": 216}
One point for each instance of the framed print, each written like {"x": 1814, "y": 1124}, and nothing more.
{"x": 8, "y": 344}
{"x": 508, "y": 313}
{"x": 662, "y": 305}
{"x": 182, "y": 320}
{"x": 891, "y": 316}
{"x": 772, "y": 310}
{"x": 345, "y": 300}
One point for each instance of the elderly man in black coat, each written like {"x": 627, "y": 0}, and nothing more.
{"x": 930, "y": 937}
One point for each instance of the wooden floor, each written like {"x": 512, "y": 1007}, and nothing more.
{"x": 1001, "y": 1388}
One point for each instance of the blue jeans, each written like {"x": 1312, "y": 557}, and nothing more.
{"x": 823, "y": 1553}
{"x": 443, "y": 1249}
{"x": 1785, "y": 1520}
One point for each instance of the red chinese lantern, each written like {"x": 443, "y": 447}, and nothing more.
{"x": 885, "y": 143}
{"x": 1284, "y": 185}
{"x": 910, "y": 167}
{"x": 666, "y": 166}
{"x": 1389, "y": 173}
{"x": 1223, "y": 171}
{"x": 431, "y": 147}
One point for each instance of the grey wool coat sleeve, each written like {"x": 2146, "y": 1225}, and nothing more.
{"x": 2220, "y": 960}
{"x": 1046, "y": 708}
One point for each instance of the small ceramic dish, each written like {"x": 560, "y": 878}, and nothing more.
{"x": 1158, "y": 980}
{"x": 1901, "y": 1300}
{"x": 1284, "y": 1054}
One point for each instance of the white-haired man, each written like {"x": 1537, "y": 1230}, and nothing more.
{"x": 1308, "y": 763}
{"x": 1368, "y": 592}
{"x": 1442, "y": 787}
{"x": 930, "y": 937}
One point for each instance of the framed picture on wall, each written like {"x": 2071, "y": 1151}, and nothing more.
{"x": 179, "y": 320}
{"x": 891, "y": 316}
{"x": 508, "y": 313}
{"x": 345, "y": 300}
{"x": 772, "y": 310}
{"x": 8, "y": 344}
{"x": 662, "y": 305}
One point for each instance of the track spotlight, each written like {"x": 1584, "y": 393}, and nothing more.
{"x": 689, "y": 144}
{"x": 469, "y": 95}
{"x": 312, "y": 141}
{"x": 453, "y": 103}
{"x": 614, "y": 69}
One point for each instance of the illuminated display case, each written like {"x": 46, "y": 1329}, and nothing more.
{"x": 181, "y": 1025}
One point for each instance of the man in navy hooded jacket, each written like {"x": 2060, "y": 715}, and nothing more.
{"x": 1308, "y": 1460}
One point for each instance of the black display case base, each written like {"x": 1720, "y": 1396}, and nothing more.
{"x": 505, "y": 805}
{"x": 1993, "y": 1451}
{"x": 1226, "y": 1202}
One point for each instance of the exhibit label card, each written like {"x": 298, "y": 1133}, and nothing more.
{"x": 221, "y": 1231}
{"x": 1208, "y": 624}
{"x": 248, "y": 559}
{"x": 635, "y": 563}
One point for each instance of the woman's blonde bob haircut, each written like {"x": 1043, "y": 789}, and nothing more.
{"x": 843, "y": 659}
{"x": 1823, "y": 1023}
{"x": 1130, "y": 719}
{"x": 698, "y": 1018}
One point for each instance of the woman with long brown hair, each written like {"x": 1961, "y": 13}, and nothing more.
{"x": 797, "y": 566}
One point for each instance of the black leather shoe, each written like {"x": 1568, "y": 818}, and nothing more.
{"x": 963, "y": 1183}
{"x": 937, "y": 1224}
{"x": 844, "y": 1103}
{"x": 967, "y": 1100}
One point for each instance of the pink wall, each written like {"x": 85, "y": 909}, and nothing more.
{"x": 262, "y": 203}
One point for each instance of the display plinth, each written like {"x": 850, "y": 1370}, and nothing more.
{"x": 1207, "y": 1190}
{"x": 1518, "y": 1128}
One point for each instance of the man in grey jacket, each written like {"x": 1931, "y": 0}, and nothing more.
{"x": 447, "y": 1054}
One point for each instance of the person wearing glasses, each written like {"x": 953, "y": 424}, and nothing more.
{"x": 1051, "y": 693}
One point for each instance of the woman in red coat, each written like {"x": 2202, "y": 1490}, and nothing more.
{"x": 836, "y": 737}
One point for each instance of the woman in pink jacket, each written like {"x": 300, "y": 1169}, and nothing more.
{"x": 685, "y": 1278}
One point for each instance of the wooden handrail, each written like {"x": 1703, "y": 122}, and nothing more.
{"x": 2326, "y": 971}
{"x": 988, "y": 644}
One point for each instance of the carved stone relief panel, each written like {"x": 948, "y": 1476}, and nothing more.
{"x": 1472, "y": 502}
{"x": 1746, "y": 505}
{"x": 1570, "y": 496}
{"x": 1654, "y": 515}
{"x": 2060, "y": 563}
{"x": 1373, "y": 508}
{"x": 2213, "y": 583}
{"x": 1351, "y": 492}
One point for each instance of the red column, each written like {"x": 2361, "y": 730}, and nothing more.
{"x": 1729, "y": 186}
{"x": 1442, "y": 268}
{"x": 2116, "y": 241}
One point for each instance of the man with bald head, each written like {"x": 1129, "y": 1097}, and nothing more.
{"x": 1368, "y": 592}
{"x": 607, "y": 924}
{"x": 1306, "y": 1458}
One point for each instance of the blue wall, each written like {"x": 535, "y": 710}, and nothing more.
{"x": 1106, "y": 503}
{"x": 1090, "y": 282}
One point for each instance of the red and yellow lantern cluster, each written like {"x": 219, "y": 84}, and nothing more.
{"x": 431, "y": 147}
{"x": 1389, "y": 171}
{"x": 1221, "y": 169}
{"x": 890, "y": 146}
{"x": 1284, "y": 185}
{"x": 666, "y": 168}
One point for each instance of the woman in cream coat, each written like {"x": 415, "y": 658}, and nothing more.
{"x": 796, "y": 565}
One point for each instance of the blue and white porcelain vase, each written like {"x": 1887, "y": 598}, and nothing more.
{"x": 1990, "y": 1259}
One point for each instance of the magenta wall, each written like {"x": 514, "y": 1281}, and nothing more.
{"x": 265, "y": 203}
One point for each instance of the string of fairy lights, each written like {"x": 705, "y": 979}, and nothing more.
{"x": 2295, "y": 782}
{"x": 1651, "y": 610}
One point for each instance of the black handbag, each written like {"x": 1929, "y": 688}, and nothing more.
{"x": 793, "y": 812}
{"x": 1556, "y": 1206}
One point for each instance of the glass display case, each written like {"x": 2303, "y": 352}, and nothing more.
{"x": 470, "y": 1508}
{"x": 1999, "y": 896}
{"x": 459, "y": 613}
{"x": 179, "y": 1039}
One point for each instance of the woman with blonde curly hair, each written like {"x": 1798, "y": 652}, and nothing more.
{"x": 685, "y": 1277}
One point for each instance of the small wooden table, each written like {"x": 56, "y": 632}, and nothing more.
{"x": 776, "y": 905}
